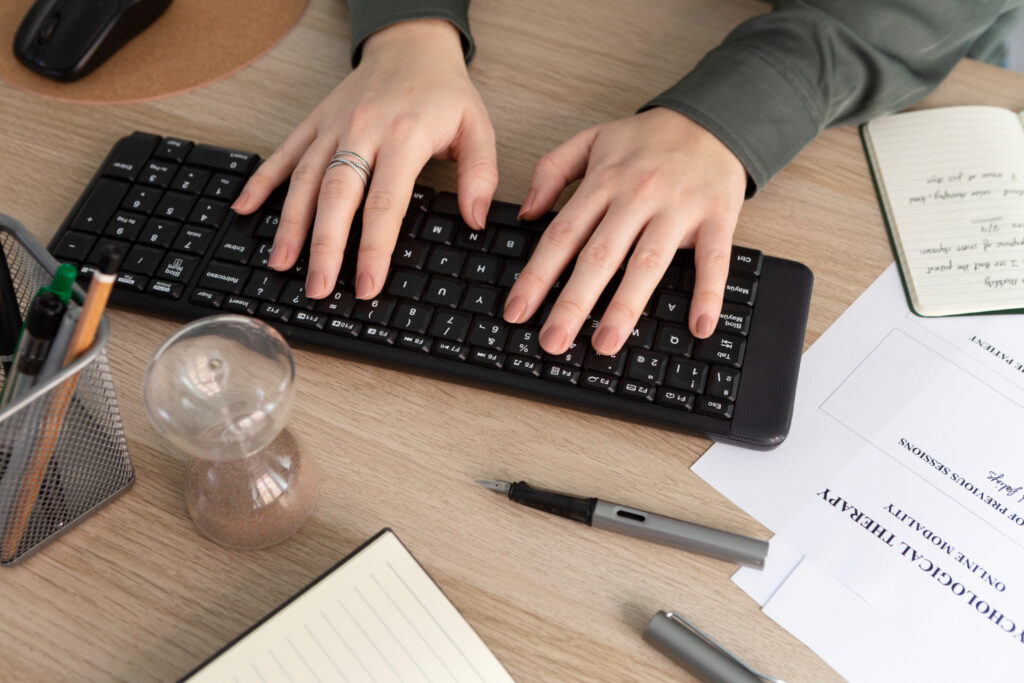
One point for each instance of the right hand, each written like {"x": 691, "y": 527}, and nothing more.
{"x": 409, "y": 99}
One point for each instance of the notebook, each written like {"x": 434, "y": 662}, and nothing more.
{"x": 374, "y": 616}
{"x": 951, "y": 185}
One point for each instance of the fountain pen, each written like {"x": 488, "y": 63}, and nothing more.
{"x": 648, "y": 526}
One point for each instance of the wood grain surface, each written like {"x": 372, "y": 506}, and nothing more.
{"x": 134, "y": 593}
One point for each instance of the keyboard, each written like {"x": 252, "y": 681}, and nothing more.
{"x": 166, "y": 201}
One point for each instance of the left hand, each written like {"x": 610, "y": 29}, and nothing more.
{"x": 656, "y": 180}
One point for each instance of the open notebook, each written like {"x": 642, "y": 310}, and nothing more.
{"x": 374, "y": 616}
{"x": 951, "y": 185}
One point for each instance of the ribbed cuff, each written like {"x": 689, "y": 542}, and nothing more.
{"x": 369, "y": 16}
{"x": 747, "y": 98}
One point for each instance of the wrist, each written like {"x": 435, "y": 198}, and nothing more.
{"x": 436, "y": 38}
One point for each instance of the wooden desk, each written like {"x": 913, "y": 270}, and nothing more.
{"x": 135, "y": 593}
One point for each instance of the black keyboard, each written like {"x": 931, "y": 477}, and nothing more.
{"x": 166, "y": 200}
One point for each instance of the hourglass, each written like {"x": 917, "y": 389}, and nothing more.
{"x": 220, "y": 390}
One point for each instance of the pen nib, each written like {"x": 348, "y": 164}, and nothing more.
{"x": 495, "y": 485}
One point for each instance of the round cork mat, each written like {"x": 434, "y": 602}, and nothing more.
{"x": 193, "y": 43}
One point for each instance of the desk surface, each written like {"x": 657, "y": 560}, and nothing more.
{"x": 135, "y": 593}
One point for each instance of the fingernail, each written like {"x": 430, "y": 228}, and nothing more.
{"x": 364, "y": 286}
{"x": 480, "y": 212}
{"x": 514, "y": 309}
{"x": 528, "y": 204}
{"x": 552, "y": 339}
{"x": 606, "y": 341}
{"x": 705, "y": 326}
{"x": 316, "y": 284}
{"x": 241, "y": 201}
{"x": 278, "y": 256}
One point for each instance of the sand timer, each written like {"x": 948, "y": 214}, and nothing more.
{"x": 220, "y": 390}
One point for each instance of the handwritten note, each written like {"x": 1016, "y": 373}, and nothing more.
{"x": 952, "y": 184}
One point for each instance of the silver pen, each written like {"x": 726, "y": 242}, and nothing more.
{"x": 648, "y": 526}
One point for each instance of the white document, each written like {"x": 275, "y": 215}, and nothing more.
{"x": 899, "y": 495}
{"x": 378, "y": 616}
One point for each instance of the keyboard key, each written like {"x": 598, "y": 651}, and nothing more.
{"x": 438, "y": 230}
{"x": 131, "y": 282}
{"x": 421, "y": 198}
{"x": 714, "y": 407}
{"x": 294, "y": 294}
{"x": 503, "y": 213}
{"x": 488, "y": 358}
{"x": 194, "y": 240}
{"x": 166, "y": 289}
{"x": 672, "y": 308}
{"x": 224, "y": 186}
{"x": 339, "y": 303}
{"x": 235, "y": 247}
{"x": 646, "y": 366}
{"x": 130, "y": 156}
{"x": 159, "y": 233}
{"x": 158, "y": 174}
{"x": 407, "y": 284}
{"x": 74, "y": 246}
{"x": 266, "y": 228}
{"x": 522, "y": 341}
{"x": 638, "y": 390}
{"x": 125, "y": 226}
{"x": 445, "y": 203}
{"x": 670, "y": 279}
{"x": 141, "y": 260}
{"x": 481, "y": 268}
{"x": 687, "y": 374}
{"x": 409, "y": 254}
{"x": 224, "y": 277}
{"x": 473, "y": 240}
{"x": 207, "y": 297}
{"x": 735, "y": 318}
{"x": 488, "y": 332}
{"x": 510, "y": 244}
{"x": 344, "y": 328}
{"x": 595, "y": 380}
{"x": 178, "y": 267}
{"x": 450, "y": 350}
{"x": 740, "y": 289}
{"x": 274, "y": 312}
{"x": 261, "y": 254}
{"x": 141, "y": 199}
{"x": 510, "y": 273}
{"x": 265, "y": 285}
{"x": 444, "y": 261}
{"x": 173, "y": 149}
{"x": 673, "y": 398}
{"x": 524, "y": 366}
{"x": 222, "y": 159}
{"x": 239, "y": 304}
{"x": 643, "y": 334}
{"x": 309, "y": 320}
{"x": 562, "y": 374}
{"x": 411, "y": 224}
{"x": 414, "y": 342}
{"x": 443, "y": 292}
{"x": 380, "y": 334}
{"x": 101, "y": 204}
{"x": 451, "y": 326}
{"x": 723, "y": 383}
{"x": 410, "y": 317}
{"x": 377, "y": 310}
{"x": 573, "y": 356}
{"x": 481, "y": 300}
{"x": 208, "y": 212}
{"x": 674, "y": 340}
{"x": 609, "y": 365}
{"x": 746, "y": 261}
{"x": 190, "y": 180}
{"x": 722, "y": 349}
{"x": 174, "y": 205}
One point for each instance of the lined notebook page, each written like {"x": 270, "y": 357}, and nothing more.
{"x": 952, "y": 184}
{"x": 377, "y": 617}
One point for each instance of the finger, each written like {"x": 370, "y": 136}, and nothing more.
{"x": 477, "y": 169}
{"x": 299, "y": 204}
{"x": 385, "y": 207}
{"x": 595, "y": 265}
{"x": 275, "y": 169}
{"x": 555, "y": 170}
{"x": 711, "y": 258}
{"x": 558, "y": 244}
{"x": 650, "y": 259}
{"x": 341, "y": 191}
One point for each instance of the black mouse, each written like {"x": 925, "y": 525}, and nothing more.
{"x": 66, "y": 39}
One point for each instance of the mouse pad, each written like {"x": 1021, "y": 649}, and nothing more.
{"x": 193, "y": 43}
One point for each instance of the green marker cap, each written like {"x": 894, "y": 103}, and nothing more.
{"x": 62, "y": 281}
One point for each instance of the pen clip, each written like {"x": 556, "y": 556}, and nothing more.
{"x": 711, "y": 641}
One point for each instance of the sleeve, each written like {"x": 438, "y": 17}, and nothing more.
{"x": 368, "y": 16}
{"x": 779, "y": 79}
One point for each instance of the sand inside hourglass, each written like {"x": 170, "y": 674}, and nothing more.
{"x": 256, "y": 501}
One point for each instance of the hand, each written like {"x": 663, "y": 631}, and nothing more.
{"x": 656, "y": 182}
{"x": 409, "y": 99}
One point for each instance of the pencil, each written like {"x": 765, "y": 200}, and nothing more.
{"x": 60, "y": 400}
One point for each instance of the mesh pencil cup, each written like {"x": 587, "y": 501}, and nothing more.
{"x": 62, "y": 447}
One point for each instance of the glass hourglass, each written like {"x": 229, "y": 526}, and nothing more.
{"x": 220, "y": 390}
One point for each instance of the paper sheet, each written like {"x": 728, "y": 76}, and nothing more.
{"x": 898, "y": 499}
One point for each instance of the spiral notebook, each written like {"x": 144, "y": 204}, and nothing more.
{"x": 376, "y": 615}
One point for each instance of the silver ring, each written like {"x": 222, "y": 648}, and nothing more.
{"x": 354, "y": 166}
{"x": 342, "y": 153}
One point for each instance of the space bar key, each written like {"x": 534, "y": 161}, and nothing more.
{"x": 224, "y": 277}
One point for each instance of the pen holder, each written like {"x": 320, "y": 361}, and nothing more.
{"x": 62, "y": 451}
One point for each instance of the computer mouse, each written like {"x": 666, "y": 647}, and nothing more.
{"x": 66, "y": 39}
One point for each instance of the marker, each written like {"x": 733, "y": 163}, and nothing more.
{"x": 41, "y": 325}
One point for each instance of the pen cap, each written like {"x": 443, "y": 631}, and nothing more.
{"x": 44, "y": 315}
{"x": 696, "y": 653}
{"x": 62, "y": 282}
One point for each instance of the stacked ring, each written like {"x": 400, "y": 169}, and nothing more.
{"x": 353, "y": 161}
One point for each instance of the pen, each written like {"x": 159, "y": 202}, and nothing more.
{"x": 695, "y": 651}
{"x": 638, "y": 523}
{"x": 41, "y": 323}
{"x": 60, "y": 399}
{"x": 10, "y": 315}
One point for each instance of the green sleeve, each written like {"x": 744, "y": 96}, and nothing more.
{"x": 779, "y": 79}
{"x": 368, "y": 16}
